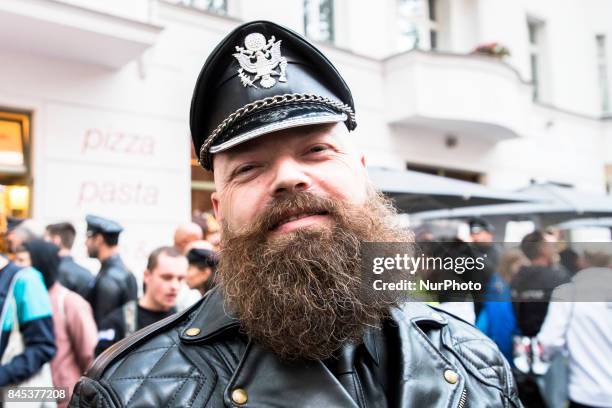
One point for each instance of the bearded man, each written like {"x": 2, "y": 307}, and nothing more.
{"x": 291, "y": 322}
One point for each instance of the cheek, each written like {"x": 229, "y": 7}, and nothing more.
{"x": 343, "y": 180}
{"x": 191, "y": 277}
{"x": 241, "y": 205}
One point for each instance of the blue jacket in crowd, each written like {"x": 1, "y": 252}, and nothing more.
{"x": 34, "y": 315}
{"x": 496, "y": 319}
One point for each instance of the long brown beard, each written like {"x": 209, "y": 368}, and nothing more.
{"x": 301, "y": 294}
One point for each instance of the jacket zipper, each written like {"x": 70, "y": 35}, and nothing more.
{"x": 463, "y": 398}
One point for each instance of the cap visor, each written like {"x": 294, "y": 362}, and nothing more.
{"x": 272, "y": 120}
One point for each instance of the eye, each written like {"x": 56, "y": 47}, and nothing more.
{"x": 318, "y": 148}
{"x": 244, "y": 169}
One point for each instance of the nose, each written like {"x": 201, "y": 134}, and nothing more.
{"x": 176, "y": 285}
{"x": 290, "y": 177}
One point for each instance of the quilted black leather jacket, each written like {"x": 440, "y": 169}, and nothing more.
{"x": 198, "y": 358}
{"x": 114, "y": 286}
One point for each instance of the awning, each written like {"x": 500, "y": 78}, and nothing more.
{"x": 555, "y": 204}
{"x": 585, "y": 223}
{"x": 414, "y": 192}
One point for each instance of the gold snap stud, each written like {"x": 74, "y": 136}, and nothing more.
{"x": 194, "y": 331}
{"x": 451, "y": 377}
{"x": 239, "y": 396}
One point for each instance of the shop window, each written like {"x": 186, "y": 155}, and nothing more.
{"x": 202, "y": 186}
{"x": 15, "y": 175}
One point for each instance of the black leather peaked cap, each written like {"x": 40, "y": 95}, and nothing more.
{"x": 262, "y": 78}
{"x": 100, "y": 225}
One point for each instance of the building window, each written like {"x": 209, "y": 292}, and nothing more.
{"x": 602, "y": 73}
{"x": 15, "y": 180}
{"x": 418, "y": 26}
{"x": 463, "y": 175}
{"x": 213, "y": 6}
{"x": 535, "y": 30}
{"x": 319, "y": 20}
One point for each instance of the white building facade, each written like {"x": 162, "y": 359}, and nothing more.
{"x": 100, "y": 91}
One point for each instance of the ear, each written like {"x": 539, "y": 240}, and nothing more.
{"x": 207, "y": 273}
{"x": 214, "y": 198}
{"x": 146, "y": 276}
{"x": 55, "y": 239}
{"x": 98, "y": 240}
{"x": 363, "y": 160}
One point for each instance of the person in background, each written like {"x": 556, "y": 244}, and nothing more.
{"x": 579, "y": 321}
{"x": 20, "y": 231}
{"x": 481, "y": 236}
{"x": 71, "y": 275}
{"x": 115, "y": 285}
{"x": 31, "y": 300}
{"x": 531, "y": 289}
{"x": 496, "y": 318}
{"x": 210, "y": 226}
{"x": 166, "y": 271}
{"x": 570, "y": 260}
{"x": 185, "y": 234}
{"x": 533, "y": 284}
{"x": 74, "y": 327}
{"x": 202, "y": 267}
{"x": 458, "y": 303}
{"x": 184, "y": 238}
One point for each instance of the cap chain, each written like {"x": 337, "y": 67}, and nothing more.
{"x": 272, "y": 101}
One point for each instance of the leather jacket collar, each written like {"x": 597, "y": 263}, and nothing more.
{"x": 111, "y": 261}
{"x": 213, "y": 319}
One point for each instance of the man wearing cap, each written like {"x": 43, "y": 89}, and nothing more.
{"x": 289, "y": 324}
{"x": 115, "y": 285}
{"x": 481, "y": 234}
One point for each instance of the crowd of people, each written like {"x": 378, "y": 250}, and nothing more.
{"x": 57, "y": 316}
{"x": 538, "y": 305}
{"x": 67, "y": 316}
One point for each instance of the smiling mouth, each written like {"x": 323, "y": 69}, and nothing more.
{"x": 295, "y": 217}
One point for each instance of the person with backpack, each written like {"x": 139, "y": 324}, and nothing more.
{"x": 73, "y": 323}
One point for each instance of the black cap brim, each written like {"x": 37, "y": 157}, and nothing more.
{"x": 272, "y": 120}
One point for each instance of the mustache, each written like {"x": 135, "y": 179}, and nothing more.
{"x": 297, "y": 204}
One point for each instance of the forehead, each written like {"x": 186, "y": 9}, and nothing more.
{"x": 171, "y": 263}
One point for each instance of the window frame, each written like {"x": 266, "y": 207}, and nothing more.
{"x": 312, "y": 29}
{"x": 603, "y": 82}
{"x": 425, "y": 22}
